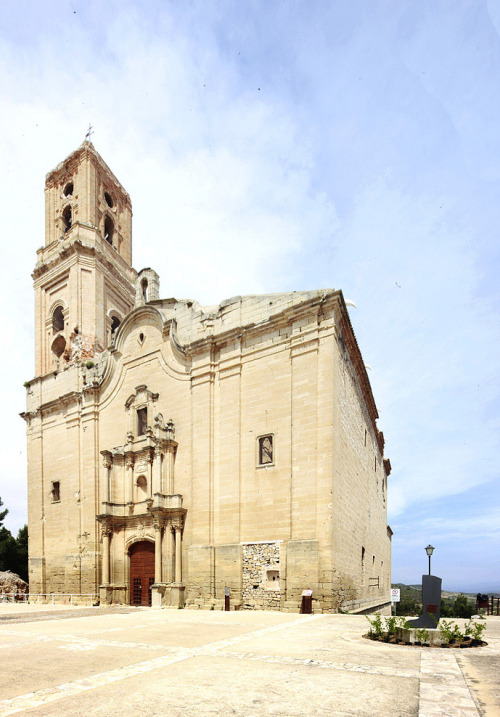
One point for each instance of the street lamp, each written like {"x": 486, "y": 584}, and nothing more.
{"x": 429, "y": 550}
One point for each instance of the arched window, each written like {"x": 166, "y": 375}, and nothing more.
{"x": 108, "y": 230}
{"x": 144, "y": 287}
{"x": 67, "y": 218}
{"x": 115, "y": 323}
{"x": 68, "y": 190}
{"x": 108, "y": 199}
{"x": 58, "y": 320}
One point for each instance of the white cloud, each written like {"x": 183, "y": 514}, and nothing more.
{"x": 433, "y": 343}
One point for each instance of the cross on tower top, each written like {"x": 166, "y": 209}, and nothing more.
{"x": 90, "y": 132}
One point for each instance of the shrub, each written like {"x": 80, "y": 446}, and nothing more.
{"x": 391, "y": 623}
{"x": 376, "y": 625}
{"x": 450, "y": 631}
{"x": 475, "y": 628}
{"x": 422, "y": 635}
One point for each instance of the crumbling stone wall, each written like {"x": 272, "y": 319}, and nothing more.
{"x": 11, "y": 583}
{"x": 83, "y": 347}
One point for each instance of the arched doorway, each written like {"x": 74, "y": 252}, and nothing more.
{"x": 142, "y": 572}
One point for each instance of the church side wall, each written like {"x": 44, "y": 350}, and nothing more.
{"x": 278, "y": 385}
{"x": 362, "y": 557}
{"x": 325, "y": 510}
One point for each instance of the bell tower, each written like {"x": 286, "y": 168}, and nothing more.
{"x": 83, "y": 279}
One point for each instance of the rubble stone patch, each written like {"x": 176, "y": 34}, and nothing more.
{"x": 258, "y": 591}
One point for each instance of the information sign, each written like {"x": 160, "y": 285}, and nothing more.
{"x": 395, "y": 595}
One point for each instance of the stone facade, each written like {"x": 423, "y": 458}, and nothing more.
{"x": 239, "y": 440}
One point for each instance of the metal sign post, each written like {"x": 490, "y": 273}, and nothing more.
{"x": 395, "y": 597}
{"x": 226, "y": 600}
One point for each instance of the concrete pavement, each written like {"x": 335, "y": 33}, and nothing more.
{"x": 98, "y": 661}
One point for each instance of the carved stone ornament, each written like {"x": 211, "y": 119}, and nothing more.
{"x": 106, "y": 530}
{"x": 158, "y": 419}
{"x": 170, "y": 430}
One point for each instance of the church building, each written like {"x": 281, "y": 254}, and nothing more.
{"x": 179, "y": 453}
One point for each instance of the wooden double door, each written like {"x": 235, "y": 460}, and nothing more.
{"x": 142, "y": 572}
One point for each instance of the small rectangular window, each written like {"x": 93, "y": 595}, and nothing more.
{"x": 266, "y": 450}
{"x": 56, "y": 492}
{"x": 142, "y": 421}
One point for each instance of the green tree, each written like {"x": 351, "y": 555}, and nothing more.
{"x": 408, "y": 607}
{"x": 3, "y": 513}
{"x": 22, "y": 553}
{"x": 8, "y": 545}
{"x": 462, "y": 607}
{"x": 13, "y": 553}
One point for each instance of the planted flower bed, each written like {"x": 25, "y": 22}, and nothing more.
{"x": 447, "y": 634}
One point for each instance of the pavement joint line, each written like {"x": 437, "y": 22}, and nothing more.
{"x": 32, "y": 700}
{"x": 20, "y": 643}
{"x": 443, "y": 689}
{"x": 325, "y": 664}
{"x": 474, "y": 698}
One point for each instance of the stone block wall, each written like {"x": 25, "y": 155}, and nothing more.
{"x": 362, "y": 548}
{"x": 228, "y": 572}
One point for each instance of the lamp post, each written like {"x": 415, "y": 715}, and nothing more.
{"x": 429, "y": 550}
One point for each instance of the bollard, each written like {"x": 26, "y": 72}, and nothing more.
{"x": 227, "y": 606}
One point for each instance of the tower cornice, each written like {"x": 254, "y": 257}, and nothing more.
{"x": 80, "y": 247}
{"x": 67, "y": 167}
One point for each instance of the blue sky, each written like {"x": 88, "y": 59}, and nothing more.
{"x": 279, "y": 145}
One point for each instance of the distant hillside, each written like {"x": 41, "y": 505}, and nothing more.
{"x": 414, "y": 592}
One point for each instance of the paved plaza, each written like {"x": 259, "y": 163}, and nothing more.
{"x": 140, "y": 661}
